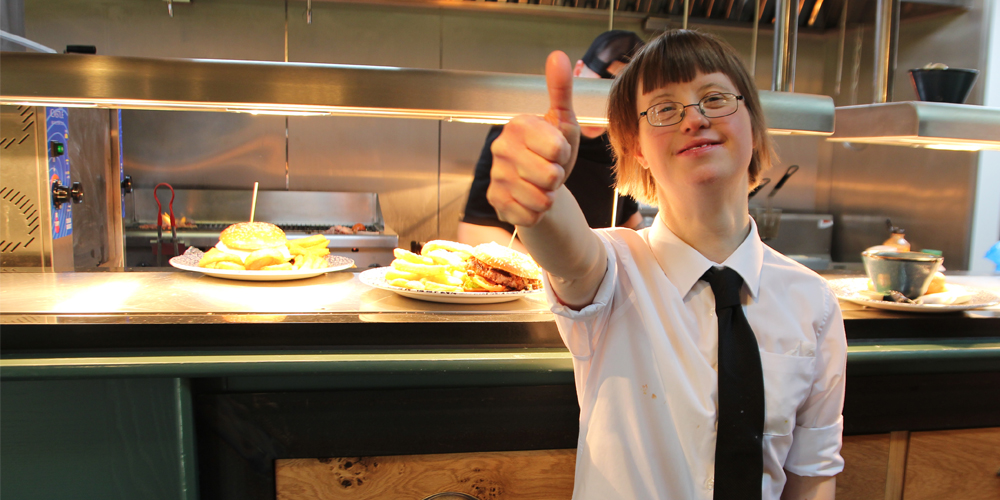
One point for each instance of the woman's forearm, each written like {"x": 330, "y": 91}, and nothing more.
{"x": 568, "y": 250}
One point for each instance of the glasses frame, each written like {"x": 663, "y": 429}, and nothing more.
{"x": 683, "y": 112}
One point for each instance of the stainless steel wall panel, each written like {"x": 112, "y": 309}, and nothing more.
{"x": 223, "y": 29}
{"x": 929, "y": 193}
{"x": 515, "y": 44}
{"x": 368, "y": 35}
{"x": 204, "y": 150}
{"x": 89, "y": 151}
{"x": 396, "y": 158}
{"x": 461, "y": 144}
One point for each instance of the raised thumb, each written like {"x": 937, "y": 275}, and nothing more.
{"x": 559, "y": 80}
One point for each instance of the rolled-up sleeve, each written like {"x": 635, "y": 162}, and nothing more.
{"x": 819, "y": 427}
{"x": 581, "y": 329}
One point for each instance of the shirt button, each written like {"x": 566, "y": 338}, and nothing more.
{"x": 710, "y": 483}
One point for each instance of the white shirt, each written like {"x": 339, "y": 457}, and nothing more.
{"x": 644, "y": 359}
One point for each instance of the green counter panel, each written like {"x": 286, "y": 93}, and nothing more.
{"x": 103, "y": 439}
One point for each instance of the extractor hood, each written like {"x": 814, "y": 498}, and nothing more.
{"x": 962, "y": 127}
{"x": 298, "y": 89}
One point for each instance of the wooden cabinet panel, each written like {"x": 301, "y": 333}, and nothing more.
{"x": 866, "y": 460}
{"x": 959, "y": 464}
{"x": 521, "y": 475}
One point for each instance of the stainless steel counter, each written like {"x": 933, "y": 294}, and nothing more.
{"x": 171, "y": 294}
{"x": 180, "y": 324}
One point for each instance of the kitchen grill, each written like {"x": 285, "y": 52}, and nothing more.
{"x": 204, "y": 213}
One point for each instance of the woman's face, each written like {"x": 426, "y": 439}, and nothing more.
{"x": 698, "y": 151}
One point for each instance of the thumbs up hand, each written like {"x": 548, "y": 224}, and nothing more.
{"x": 534, "y": 155}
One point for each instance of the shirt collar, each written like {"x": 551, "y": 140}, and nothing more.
{"x": 684, "y": 265}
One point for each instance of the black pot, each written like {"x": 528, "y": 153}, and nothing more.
{"x": 943, "y": 85}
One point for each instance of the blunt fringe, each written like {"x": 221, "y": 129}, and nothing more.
{"x": 677, "y": 56}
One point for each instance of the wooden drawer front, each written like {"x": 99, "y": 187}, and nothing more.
{"x": 866, "y": 461}
{"x": 960, "y": 465}
{"x": 521, "y": 475}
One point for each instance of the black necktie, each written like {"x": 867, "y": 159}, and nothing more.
{"x": 739, "y": 455}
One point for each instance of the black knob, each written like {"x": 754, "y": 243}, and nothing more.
{"x": 76, "y": 192}
{"x": 127, "y": 184}
{"x": 60, "y": 194}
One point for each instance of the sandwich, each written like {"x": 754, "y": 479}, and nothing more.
{"x": 498, "y": 268}
{"x": 249, "y": 246}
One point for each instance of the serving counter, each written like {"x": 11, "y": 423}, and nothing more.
{"x": 198, "y": 385}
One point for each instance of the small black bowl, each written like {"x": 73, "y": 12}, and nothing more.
{"x": 943, "y": 85}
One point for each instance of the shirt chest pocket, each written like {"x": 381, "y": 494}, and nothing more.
{"x": 787, "y": 380}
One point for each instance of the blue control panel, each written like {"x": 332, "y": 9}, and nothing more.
{"x": 57, "y": 133}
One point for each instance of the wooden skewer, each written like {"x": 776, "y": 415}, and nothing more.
{"x": 512, "y": 238}
{"x": 253, "y": 206}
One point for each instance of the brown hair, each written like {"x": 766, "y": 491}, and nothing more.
{"x": 677, "y": 56}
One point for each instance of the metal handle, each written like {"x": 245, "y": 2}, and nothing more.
{"x": 76, "y": 192}
{"x": 788, "y": 173}
{"x": 62, "y": 194}
{"x": 763, "y": 182}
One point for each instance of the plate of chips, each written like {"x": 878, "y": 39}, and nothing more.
{"x": 376, "y": 278}
{"x": 327, "y": 263}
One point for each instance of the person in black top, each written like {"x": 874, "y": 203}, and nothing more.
{"x": 592, "y": 180}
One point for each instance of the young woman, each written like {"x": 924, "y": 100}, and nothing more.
{"x": 674, "y": 405}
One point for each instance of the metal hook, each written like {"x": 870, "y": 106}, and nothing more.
{"x": 170, "y": 8}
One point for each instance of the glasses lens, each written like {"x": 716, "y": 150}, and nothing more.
{"x": 719, "y": 105}
{"x": 666, "y": 113}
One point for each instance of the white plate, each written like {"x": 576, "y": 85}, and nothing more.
{"x": 848, "y": 289}
{"x": 189, "y": 262}
{"x": 376, "y": 278}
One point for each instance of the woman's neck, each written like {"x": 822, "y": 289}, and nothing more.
{"x": 713, "y": 225}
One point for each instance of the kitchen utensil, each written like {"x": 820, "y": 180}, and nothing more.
{"x": 159, "y": 224}
{"x": 943, "y": 85}
{"x": 763, "y": 182}
{"x": 909, "y": 273}
{"x": 784, "y": 178}
{"x": 769, "y": 220}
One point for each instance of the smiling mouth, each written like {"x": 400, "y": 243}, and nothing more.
{"x": 699, "y": 147}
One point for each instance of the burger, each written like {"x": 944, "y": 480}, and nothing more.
{"x": 248, "y": 245}
{"x": 499, "y": 266}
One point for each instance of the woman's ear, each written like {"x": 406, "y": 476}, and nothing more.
{"x": 639, "y": 157}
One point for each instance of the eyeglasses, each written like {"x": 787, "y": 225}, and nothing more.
{"x": 670, "y": 113}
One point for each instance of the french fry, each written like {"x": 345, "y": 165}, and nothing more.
{"x": 309, "y": 241}
{"x": 415, "y": 285}
{"x": 317, "y": 262}
{"x": 422, "y": 269}
{"x": 409, "y": 256}
{"x": 395, "y": 274}
{"x": 231, "y": 266}
{"x": 445, "y": 257}
{"x": 443, "y": 279}
{"x": 316, "y": 251}
{"x": 285, "y": 266}
{"x": 430, "y": 285}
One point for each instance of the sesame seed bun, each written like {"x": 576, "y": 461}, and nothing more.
{"x": 511, "y": 261}
{"x": 250, "y": 236}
